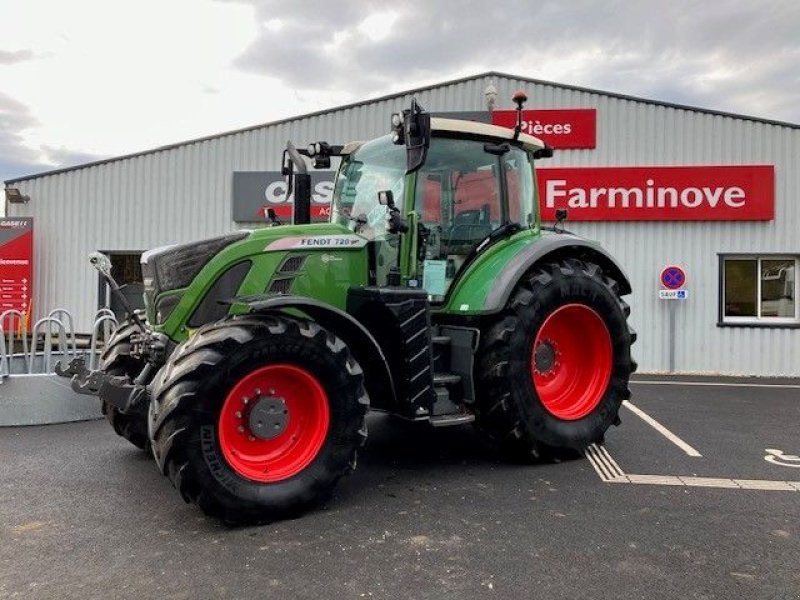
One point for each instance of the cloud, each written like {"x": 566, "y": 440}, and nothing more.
{"x": 8, "y": 57}
{"x": 67, "y": 157}
{"x": 728, "y": 55}
{"x": 16, "y": 157}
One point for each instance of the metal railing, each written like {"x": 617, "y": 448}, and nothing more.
{"x": 7, "y": 341}
{"x": 51, "y": 336}
{"x": 105, "y": 320}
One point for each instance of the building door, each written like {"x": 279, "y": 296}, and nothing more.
{"x": 127, "y": 271}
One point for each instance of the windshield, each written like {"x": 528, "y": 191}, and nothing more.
{"x": 377, "y": 166}
{"x": 460, "y": 191}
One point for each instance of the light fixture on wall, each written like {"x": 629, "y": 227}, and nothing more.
{"x": 14, "y": 196}
{"x": 490, "y": 93}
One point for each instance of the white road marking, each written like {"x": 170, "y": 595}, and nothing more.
{"x": 605, "y": 466}
{"x": 787, "y": 386}
{"x": 661, "y": 429}
{"x": 610, "y": 472}
{"x": 778, "y": 457}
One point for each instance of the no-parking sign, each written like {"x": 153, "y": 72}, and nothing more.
{"x": 673, "y": 282}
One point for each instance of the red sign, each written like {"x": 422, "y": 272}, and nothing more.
{"x": 16, "y": 268}
{"x": 560, "y": 128}
{"x": 673, "y": 277}
{"x": 285, "y": 211}
{"x": 729, "y": 193}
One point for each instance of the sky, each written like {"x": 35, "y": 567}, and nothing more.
{"x": 88, "y": 79}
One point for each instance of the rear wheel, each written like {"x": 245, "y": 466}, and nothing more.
{"x": 116, "y": 360}
{"x": 256, "y": 418}
{"x": 554, "y": 369}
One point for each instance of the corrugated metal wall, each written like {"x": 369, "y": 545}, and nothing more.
{"x": 184, "y": 193}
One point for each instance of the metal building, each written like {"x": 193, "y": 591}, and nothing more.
{"x": 740, "y": 312}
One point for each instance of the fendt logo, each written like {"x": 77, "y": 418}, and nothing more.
{"x": 726, "y": 193}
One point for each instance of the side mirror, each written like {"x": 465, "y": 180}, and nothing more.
{"x": 397, "y": 224}
{"x": 412, "y": 127}
{"x": 386, "y": 198}
{"x": 273, "y": 217}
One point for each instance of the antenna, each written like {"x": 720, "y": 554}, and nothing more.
{"x": 519, "y": 98}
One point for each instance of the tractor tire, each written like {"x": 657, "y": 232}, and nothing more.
{"x": 554, "y": 368}
{"x": 255, "y": 418}
{"x": 116, "y": 360}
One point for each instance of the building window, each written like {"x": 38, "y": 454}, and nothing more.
{"x": 758, "y": 290}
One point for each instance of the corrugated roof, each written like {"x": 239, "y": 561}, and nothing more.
{"x": 398, "y": 95}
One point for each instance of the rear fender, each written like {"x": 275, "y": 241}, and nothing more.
{"x": 545, "y": 249}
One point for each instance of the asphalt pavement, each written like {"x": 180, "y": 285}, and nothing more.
{"x": 433, "y": 514}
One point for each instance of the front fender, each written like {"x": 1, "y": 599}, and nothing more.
{"x": 362, "y": 344}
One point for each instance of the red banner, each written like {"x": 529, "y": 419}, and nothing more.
{"x": 16, "y": 268}
{"x": 729, "y": 193}
{"x": 574, "y": 128}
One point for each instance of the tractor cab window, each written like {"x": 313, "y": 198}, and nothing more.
{"x": 464, "y": 193}
{"x": 376, "y": 166}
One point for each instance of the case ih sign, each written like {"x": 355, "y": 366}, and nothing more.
{"x": 16, "y": 268}
{"x": 719, "y": 193}
{"x": 574, "y": 128}
{"x": 256, "y": 191}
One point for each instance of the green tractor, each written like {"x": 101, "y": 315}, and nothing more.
{"x": 433, "y": 294}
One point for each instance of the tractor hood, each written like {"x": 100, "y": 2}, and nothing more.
{"x": 179, "y": 278}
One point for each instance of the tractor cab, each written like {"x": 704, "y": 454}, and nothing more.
{"x": 474, "y": 184}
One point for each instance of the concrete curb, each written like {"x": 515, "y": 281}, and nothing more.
{"x": 43, "y": 400}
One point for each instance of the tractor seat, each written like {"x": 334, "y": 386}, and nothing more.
{"x": 468, "y": 234}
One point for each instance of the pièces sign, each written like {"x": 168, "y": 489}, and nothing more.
{"x": 568, "y": 128}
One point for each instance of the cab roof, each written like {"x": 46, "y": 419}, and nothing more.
{"x": 485, "y": 130}
{"x": 528, "y": 142}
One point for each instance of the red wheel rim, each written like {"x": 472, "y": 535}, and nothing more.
{"x": 305, "y": 421}
{"x": 571, "y": 361}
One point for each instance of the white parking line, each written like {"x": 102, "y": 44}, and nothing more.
{"x": 661, "y": 429}
{"x": 787, "y": 386}
{"x": 610, "y": 472}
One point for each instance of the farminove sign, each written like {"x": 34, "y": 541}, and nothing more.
{"x": 702, "y": 193}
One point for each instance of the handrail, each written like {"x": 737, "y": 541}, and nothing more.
{"x": 101, "y": 320}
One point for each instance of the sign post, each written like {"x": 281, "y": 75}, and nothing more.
{"x": 16, "y": 268}
{"x": 673, "y": 282}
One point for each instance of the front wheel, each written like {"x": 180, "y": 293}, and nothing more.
{"x": 116, "y": 360}
{"x": 256, "y": 418}
{"x": 554, "y": 369}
